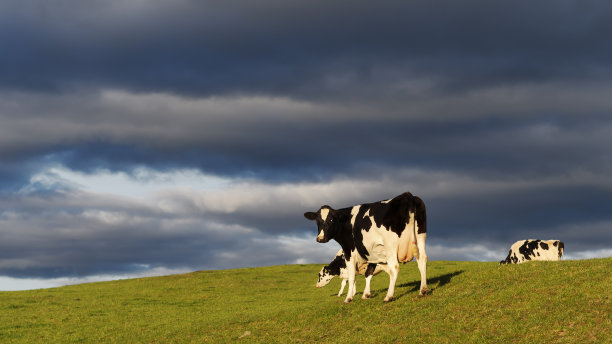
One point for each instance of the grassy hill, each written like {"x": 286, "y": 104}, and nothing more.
{"x": 471, "y": 302}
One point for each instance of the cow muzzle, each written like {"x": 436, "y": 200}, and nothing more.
{"x": 322, "y": 239}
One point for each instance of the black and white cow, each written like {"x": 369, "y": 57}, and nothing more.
{"x": 531, "y": 249}
{"x": 337, "y": 267}
{"x": 385, "y": 232}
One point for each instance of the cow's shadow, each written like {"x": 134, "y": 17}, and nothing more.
{"x": 438, "y": 281}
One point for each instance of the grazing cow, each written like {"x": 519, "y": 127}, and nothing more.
{"x": 385, "y": 232}
{"x": 531, "y": 249}
{"x": 337, "y": 267}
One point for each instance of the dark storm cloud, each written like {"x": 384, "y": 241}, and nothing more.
{"x": 301, "y": 49}
{"x": 273, "y": 150}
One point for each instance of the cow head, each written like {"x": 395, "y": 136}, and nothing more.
{"x": 325, "y": 276}
{"x": 337, "y": 267}
{"x": 327, "y": 221}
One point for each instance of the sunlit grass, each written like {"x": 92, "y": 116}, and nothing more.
{"x": 471, "y": 302}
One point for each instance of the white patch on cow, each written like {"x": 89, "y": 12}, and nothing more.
{"x": 377, "y": 251}
{"x": 547, "y": 254}
{"x": 354, "y": 212}
{"x": 374, "y": 241}
{"x": 386, "y": 201}
{"x": 324, "y": 213}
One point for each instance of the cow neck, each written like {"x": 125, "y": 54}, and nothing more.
{"x": 344, "y": 234}
{"x": 335, "y": 266}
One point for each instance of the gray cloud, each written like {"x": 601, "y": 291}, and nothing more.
{"x": 249, "y": 223}
{"x": 75, "y": 233}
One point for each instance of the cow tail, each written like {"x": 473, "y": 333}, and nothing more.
{"x": 413, "y": 246}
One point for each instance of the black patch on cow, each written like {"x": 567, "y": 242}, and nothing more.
{"x": 510, "y": 259}
{"x": 507, "y": 260}
{"x": 395, "y": 214}
{"x": 362, "y": 221}
{"x": 334, "y": 267}
{"x": 528, "y": 249}
{"x": 544, "y": 245}
{"x": 561, "y": 248}
{"x": 339, "y": 229}
{"x": 370, "y": 270}
{"x": 555, "y": 243}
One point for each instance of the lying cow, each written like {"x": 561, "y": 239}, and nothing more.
{"x": 531, "y": 249}
{"x": 390, "y": 232}
{"x": 337, "y": 267}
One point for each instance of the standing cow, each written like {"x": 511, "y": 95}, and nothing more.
{"x": 337, "y": 267}
{"x": 531, "y": 249}
{"x": 385, "y": 232}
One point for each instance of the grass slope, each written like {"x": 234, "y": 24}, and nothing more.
{"x": 536, "y": 302}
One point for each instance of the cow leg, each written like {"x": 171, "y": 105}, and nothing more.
{"x": 422, "y": 262}
{"x": 350, "y": 265}
{"x": 366, "y": 291}
{"x": 342, "y": 287}
{"x": 368, "y": 273}
{"x": 393, "y": 271}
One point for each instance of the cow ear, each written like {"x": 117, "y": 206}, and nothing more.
{"x": 310, "y": 215}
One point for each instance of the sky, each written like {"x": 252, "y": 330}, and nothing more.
{"x": 143, "y": 138}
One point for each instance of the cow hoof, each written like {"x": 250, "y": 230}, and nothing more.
{"x": 348, "y": 300}
{"x": 389, "y": 299}
{"x": 366, "y": 296}
{"x": 423, "y": 293}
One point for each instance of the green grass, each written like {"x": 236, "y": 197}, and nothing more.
{"x": 471, "y": 302}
